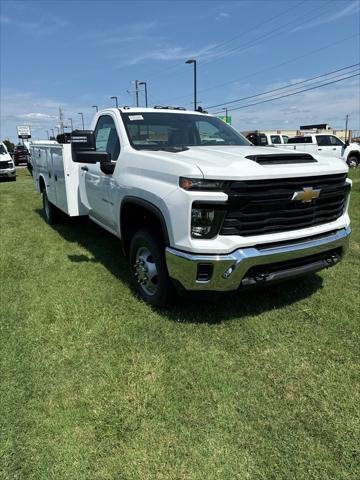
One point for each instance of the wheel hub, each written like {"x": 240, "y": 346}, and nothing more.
{"x": 145, "y": 271}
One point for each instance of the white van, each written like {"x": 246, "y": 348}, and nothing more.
{"x": 7, "y": 166}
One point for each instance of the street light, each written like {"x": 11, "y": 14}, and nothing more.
{"x": 53, "y": 134}
{"x": 82, "y": 119}
{"x": 48, "y": 136}
{"x": 146, "y": 95}
{"x": 71, "y": 123}
{"x": 193, "y": 61}
{"x": 96, "y": 107}
{"x": 116, "y": 100}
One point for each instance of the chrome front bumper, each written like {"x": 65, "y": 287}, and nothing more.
{"x": 228, "y": 272}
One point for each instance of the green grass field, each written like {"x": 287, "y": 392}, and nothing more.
{"x": 97, "y": 385}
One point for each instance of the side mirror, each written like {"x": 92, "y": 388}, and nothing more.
{"x": 83, "y": 146}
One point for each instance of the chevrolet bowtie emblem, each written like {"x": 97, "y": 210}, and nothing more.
{"x": 307, "y": 195}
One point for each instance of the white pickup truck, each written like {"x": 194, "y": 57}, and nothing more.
{"x": 267, "y": 139}
{"x": 326, "y": 144}
{"x": 196, "y": 206}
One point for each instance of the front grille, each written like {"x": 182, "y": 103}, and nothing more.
{"x": 257, "y": 207}
{"x": 4, "y": 165}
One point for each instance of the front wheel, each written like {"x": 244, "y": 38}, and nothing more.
{"x": 49, "y": 210}
{"x": 148, "y": 269}
{"x": 352, "y": 161}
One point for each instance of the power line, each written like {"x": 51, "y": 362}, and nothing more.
{"x": 290, "y": 94}
{"x": 272, "y": 67}
{"x": 284, "y": 87}
{"x": 256, "y": 40}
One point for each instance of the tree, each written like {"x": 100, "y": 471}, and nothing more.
{"x": 9, "y": 145}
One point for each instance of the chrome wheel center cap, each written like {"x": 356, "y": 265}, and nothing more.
{"x": 145, "y": 271}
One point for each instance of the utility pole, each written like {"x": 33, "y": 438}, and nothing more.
{"x": 226, "y": 115}
{"x": 61, "y": 119}
{"x": 71, "y": 123}
{"x": 53, "y": 134}
{"x": 48, "y": 136}
{"x": 346, "y": 126}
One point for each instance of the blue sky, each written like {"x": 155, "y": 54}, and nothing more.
{"x": 75, "y": 54}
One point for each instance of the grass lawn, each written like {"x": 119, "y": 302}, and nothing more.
{"x": 97, "y": 385}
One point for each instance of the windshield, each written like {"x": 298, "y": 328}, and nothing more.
{"x": 2, "y": 149}
{"x": 164, "y": 129}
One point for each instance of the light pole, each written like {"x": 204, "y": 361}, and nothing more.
{"x": 146, "y": 95}
{"x": 137, "y": 83}
{"x": 71, "y": 123}
{"x": 82, "y": 119}
{"x": 96, "y": 107}
{"x": 193, "y": 61}
{"x": 58, "y": 130}
{"x": 48, "y": 136}
{"x": 116, "y": 100}
{"x": 346, "y": 126}
{"x": 53, "y": 134}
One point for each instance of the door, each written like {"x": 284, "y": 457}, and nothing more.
{"x": 95, "y": 183}
{"x": 324, "y": 145}
{"x": 59, "y": 177}
{"x": 337, "y": 146}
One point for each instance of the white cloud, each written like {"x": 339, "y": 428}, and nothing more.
{"x": 222, "y": 15}
{"x": 169, "y": 53}
{"x": 326, "y": 105}
{"x": 351, "y": 9}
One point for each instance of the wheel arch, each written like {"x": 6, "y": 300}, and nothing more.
{"x": 147, "y": 215}
{"x": 42, "y": 184}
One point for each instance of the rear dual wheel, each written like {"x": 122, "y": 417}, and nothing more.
{"x": 49, "y": 210}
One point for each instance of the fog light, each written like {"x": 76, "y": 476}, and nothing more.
{"x": 201, "y": 222}
{"x": 206, "y": 221}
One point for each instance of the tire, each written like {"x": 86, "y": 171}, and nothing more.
{"x": 49, "y": 210}
{"x": 352, "y": 161}
{"x": 148, "y": 269}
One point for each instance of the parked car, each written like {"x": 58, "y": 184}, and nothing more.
{"x": 326, "y": 144}
{"x": 194, "y": 214}
{"x": 7, "y": 166}
{"x": 21, "y": 154}
{"x": 267, "y": 139}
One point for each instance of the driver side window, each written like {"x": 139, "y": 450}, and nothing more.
{"x": 106, "y": 137}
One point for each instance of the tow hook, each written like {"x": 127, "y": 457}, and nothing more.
{"x": 261, "y": 277}
{"x": 332, "y": 260}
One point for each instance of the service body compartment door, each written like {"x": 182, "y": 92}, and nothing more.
{"x": 59, "y": 178}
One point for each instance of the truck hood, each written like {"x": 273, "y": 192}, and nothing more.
{"x": 229, "y": 163}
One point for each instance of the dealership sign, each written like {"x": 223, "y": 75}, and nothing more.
{"x": 226, "y": 119}
{"x": 23, "y": 131}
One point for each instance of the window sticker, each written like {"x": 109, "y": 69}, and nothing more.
{"x": 136, "y": 117}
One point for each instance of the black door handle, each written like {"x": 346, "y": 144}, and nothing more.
{"x": 334, "y": 148}
{"x": 85, "y": 168}
{"x": 319, "y": 149}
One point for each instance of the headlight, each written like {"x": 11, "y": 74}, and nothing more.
{"x": 200, "y": 184}
{"x": 206, "y": 221}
